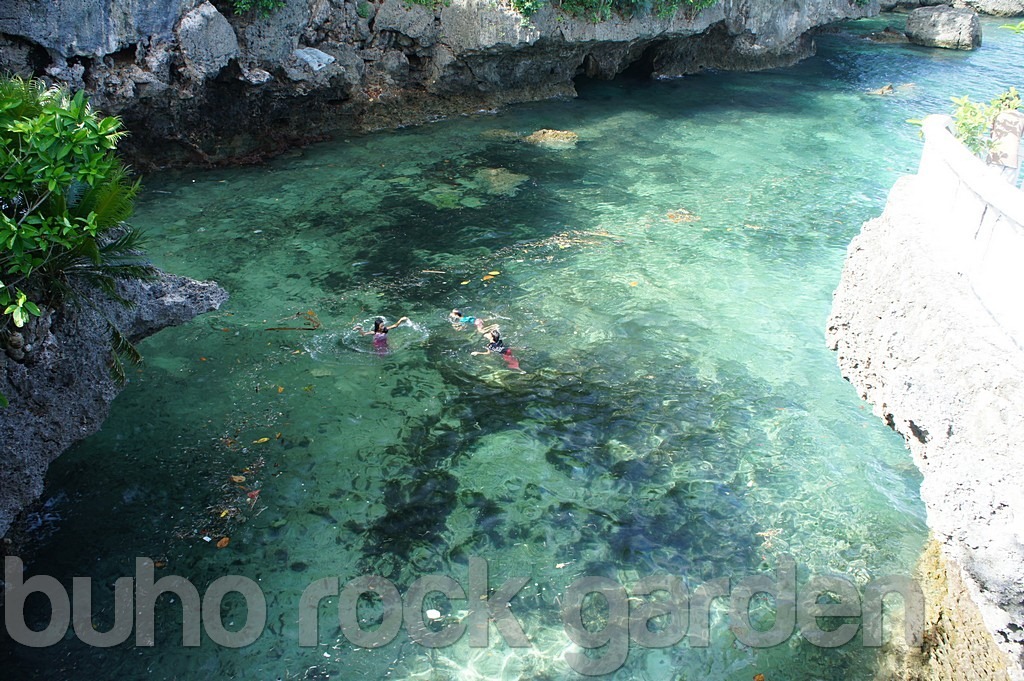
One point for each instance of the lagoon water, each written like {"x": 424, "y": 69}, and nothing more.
{"x": 665, "y": 285}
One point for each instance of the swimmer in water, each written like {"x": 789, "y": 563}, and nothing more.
{"x": 458, "y": 320}
{"x": 380, "y": 333}
{"x": 498, "y": 346}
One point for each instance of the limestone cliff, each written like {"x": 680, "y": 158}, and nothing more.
{"x": 223, "y": 86}
{"x": 913, "y": 337}
{"x": 56, "y": 376}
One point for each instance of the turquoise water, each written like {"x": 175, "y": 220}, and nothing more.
{"x": 664, "y": 284}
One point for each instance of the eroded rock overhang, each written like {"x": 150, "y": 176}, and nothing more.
{"x": 195, "y": 82}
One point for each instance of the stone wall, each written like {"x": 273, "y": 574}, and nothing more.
{"x": 219, "y": 86}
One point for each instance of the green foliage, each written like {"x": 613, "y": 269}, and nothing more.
{"x": 262, "y": 7}
{"x": 363, "y": 9}
{"x": 1016, "y": 28}
{"x": 123, "y": 350}
{"x": 974, "y": 119}
{"x": 64, "y": 199}
{"x": 20, "y": 308}
{"x": 528, "y": 7}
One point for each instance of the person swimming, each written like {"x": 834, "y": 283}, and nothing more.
{"x": 497, "y": 346}
{"x": 459, "y": 320}
{"x": 380, "y": 333}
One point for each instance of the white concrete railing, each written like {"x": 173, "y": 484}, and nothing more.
{"x": 979, "y": 214}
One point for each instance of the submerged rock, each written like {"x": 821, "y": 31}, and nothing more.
{"x": 553, "y": 139}
{"x": 889, "y": 35}
{"x": 500, "y": 181}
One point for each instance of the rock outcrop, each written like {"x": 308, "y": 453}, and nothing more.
{"x": 998, "y": 8}
{"x": 195, "y": 82}
{"x": 56, "y": 375}
{"x": 912, "y": 336}
{"x": 955, "y": 29}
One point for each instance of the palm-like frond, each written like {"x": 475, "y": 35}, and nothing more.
{"x": 100, "y": 264}
{"x": 122, "y": 350}
{"x": 112, "y": 201}
{"x": 20, "y": 98}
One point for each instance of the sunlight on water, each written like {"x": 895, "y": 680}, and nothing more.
{"x": 664, "y": 285}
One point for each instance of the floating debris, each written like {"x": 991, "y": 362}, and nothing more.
{"x": 681, "y": 215}
{"x": 312, "y": 322}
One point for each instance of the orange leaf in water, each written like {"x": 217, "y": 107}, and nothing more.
{"x": 237, "y": 478}
{"x": 488, "y": 276}
{"x": 280, "y": 389}
{"x": 224, "y": 541}
{"x": 758, "y": 677}
{"x": 261, "y": 440}
{"x": 254, "y": 494}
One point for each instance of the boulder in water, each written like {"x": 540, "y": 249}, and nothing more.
{"x": 947, "y": 27}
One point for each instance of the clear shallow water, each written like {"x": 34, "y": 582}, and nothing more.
{"x": 665, "y": 285}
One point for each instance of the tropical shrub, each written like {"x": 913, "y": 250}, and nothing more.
{"x": 973, "y": 120}
{"x": 261, "y": 7}
{"x": 64, "y": 199}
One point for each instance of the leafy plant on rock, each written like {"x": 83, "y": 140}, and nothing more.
{"x": 261, "y": 7}
{"x": 64, "y": 200}
{"x": 973, "y": 120}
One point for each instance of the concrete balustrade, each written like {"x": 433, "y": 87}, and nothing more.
{"x": 979, "y": 215}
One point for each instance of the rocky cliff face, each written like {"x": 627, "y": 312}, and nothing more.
{"x": 999, "y": 8}
{"x": 56, "y": 375}
{"x": 221, "y": 86}
{"x": 912, "y": 336}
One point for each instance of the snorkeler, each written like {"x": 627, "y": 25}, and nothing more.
{"x": 380, "y": 333}
{"x": 458, "y": 320}
{"x": 498, "y": 346}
